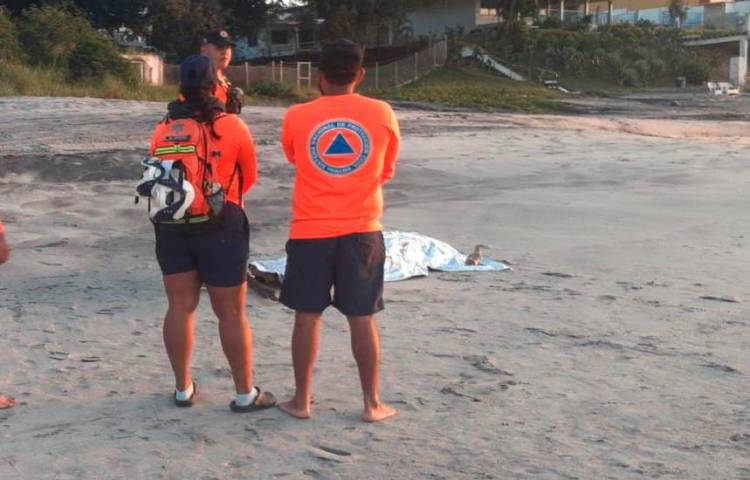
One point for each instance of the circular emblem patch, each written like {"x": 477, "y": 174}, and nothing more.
{"x": 340, "y": 147}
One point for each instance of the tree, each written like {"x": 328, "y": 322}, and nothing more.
{"x": 112, "y": 14}
{"x": 177, "y": 25}
{"x": 49, "y": 34}
{"x": 107, "y": 14}
{"x": 677, "y": 12}
{"x": 10, "y": 49}
{"x": 64, "y": 39}
{"x": 245, "y": 17}
{"x": 364, "y": 20}
{"x": 511, "y": 11}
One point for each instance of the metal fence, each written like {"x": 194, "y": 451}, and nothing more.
{"x": 304, "y": 74}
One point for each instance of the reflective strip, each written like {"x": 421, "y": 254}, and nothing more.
{"x": 174, "y": 149}
{"x": 191, "y": 220}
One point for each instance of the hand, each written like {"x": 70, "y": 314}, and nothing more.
{"x": 234, "y": 102}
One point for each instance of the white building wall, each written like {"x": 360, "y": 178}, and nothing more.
{"x": 445, "y": 14}
{"x": 149, "y": 65}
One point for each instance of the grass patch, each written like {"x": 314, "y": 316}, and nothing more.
{"x": 23, "y": 80}
{"x": 474, "y": 88}
{"x": 28, "y": 81}
{"x": 454, "y": 87}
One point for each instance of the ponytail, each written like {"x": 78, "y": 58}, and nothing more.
{"x": 203, "y": 104}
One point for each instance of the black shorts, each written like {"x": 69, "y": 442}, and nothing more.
{"x": 352, "y": 264}
{"x": 217, "y": 251}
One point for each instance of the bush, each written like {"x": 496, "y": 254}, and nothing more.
{"x": 650, "y": 54}
{"x": 271, "y": 88}
{"x": 695, "y": 68}
{"x": 95, "y": 57}
{"x": 574, "y": 61}
{"x": 630, "y": 78}
{"x": 643, "y": 68}
{"x": 551, "y": 22}
{"x": 25, "y": 80}
{"x": 50, "y": 34}
{"x": 61, "y": 38}
{"x": 10, "y": 49}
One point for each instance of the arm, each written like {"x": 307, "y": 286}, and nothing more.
{"x": 246, "y": 157}
{"x": 4, "y": 249}
{"x": 391, "y": 154}
{"x": 287, "y": 139}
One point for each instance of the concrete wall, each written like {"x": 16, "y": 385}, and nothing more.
{"x": 632, "y": 4}
{"x": 738, "y": 71}
{"x": 445, "y": 14}
{"x": 149, "y": 66}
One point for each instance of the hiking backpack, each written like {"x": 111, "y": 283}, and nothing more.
{"x": 179, "y": 179}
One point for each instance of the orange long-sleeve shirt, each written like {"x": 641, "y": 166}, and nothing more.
{"x": 344, "y": 148}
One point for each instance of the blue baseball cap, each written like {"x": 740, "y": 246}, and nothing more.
{"x": 197, "y": 71}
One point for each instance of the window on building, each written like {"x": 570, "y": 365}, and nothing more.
{"x": 280, "y": 37}
{"x": 306, "y": 35}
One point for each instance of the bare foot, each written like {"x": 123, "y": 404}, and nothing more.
{"x": 378, "y": 414}
{"x": 292, "y": 408}
{"x": 7, "y": 402}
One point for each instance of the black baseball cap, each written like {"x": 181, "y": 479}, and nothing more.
{"x": 342, "y": 57}
{"x": 197, "y": 71}
{"x": 220, "y": 38}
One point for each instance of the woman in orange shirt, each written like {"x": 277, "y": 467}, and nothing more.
{"x": 214, "y": 252}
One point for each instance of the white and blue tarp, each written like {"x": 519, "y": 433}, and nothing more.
{"x": 407, "y": 255}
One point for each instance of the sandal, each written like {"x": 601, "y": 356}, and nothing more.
{"x": 262, "y": 401}
{"x": 189, "y": 401}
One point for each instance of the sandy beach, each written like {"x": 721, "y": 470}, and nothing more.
{"x": 617, "y": 348}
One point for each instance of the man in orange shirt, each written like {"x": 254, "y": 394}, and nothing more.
{"x": 344, "y": 147}
{"x": 218, "y": 45}
{"x": 5, "y": 402}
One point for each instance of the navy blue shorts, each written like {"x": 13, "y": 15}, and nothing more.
{"x": 217, "y": 251}
{"x": 351, "y": 265}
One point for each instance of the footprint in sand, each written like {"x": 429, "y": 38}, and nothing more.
{"x": 448, "y": 390}
{"x": 485, "y": 364}
{"x": 540, "y": 331}
{"x": 630, "y": 286}
{"x": 726, "y": 299}
{"x": 58, "y": 355}
{"x": 331, "y": 454}
{"x": 722, "y": 367}
{"x": 558, "y": 274}
{"x": 607, "y": 298}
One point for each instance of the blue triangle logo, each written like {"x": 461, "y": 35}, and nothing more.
{"x": 340, "y": 146}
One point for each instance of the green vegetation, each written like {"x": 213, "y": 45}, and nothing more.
{"x": 54, "y": 51}
{"x": 173, "y": 26}
{"x": 61, "y": 38}
{"x": 470, "y": 87}
{"x": 10, "y": 49}
{"x": 707, "y": 33}
{"x": 628, "y": 55}
{"x": 25, "y": 80}
{"x": 273, "y": 92}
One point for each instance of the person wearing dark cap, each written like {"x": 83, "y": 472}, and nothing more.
{"x": 344, "y": 147}
{"x": 209, "y": 245}
{"x": 218, "y": 45}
